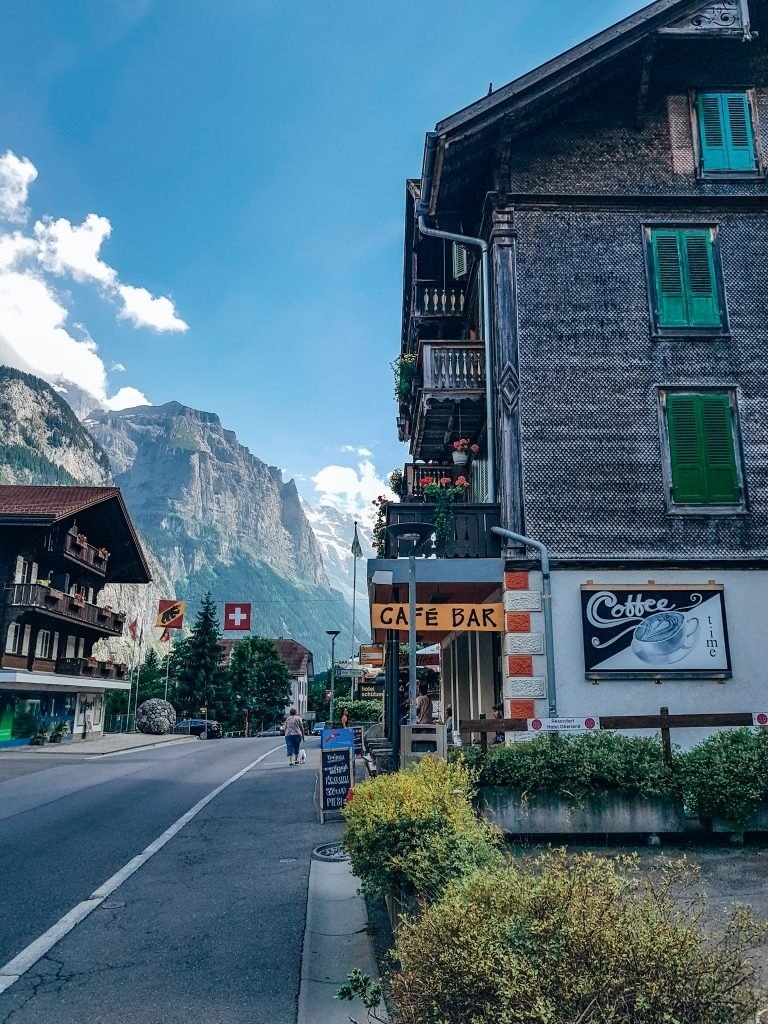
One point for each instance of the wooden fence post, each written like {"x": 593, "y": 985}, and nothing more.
{"x": 666, "y": 739}
{"x": 483, "y": 739}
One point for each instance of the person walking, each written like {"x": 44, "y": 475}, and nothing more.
{"x": 294, "y": 734}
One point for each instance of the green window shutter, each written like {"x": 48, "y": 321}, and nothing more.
{"x": 668, "y": 278}
{"x": 701, "y": 450}
{"x": 725, "y": 130}
{"x": 739, "y": 136}
{"x": 689, "y": 483}
{"x": 714, "y": 151}
{"x": 720, "y": 457}
{"x": 701, "y": 287}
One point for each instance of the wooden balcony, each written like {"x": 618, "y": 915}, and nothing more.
{"x": 432, "y": 299}
{"x": 449, "y": 400}
{"x": 90, "y": 668}
{"x": 76, "y": 548}
{"x": 412, "y": 486}
{"x": 472, "y": 537}
{"x": 55, "y": 604}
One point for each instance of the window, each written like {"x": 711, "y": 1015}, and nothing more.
{"x": 43, "y": 644}
{"x": 684, "y": 278}
{"x": 702, "y": 449}
{"x": 726, "y": 135}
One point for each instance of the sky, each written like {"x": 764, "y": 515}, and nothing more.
{"x": 202, "y": 201}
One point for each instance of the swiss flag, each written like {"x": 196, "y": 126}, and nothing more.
{"x": 237, "y": 616}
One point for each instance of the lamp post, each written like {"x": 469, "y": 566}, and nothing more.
{"x": 333, "y": 633}
{"x": 417, "y": 533}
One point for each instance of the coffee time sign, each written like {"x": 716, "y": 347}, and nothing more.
{"x": 473, "y": 618}
{"x": 654, "y": 629}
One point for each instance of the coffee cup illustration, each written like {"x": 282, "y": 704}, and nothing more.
{"x": 665, "y": 637}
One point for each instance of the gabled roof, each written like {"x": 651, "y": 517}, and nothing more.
{"x": 295, "y": 655}
{"x": 28, "y": 505}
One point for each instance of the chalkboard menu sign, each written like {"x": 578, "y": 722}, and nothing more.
{"x": 336, "y": 774}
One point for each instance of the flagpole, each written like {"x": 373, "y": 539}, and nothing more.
{"x": 355, "y": 549}
{"x": 168, "y": 664}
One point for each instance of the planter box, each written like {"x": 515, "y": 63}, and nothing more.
{"x": 543, "y": 814}
{"x": 759, "y": 822}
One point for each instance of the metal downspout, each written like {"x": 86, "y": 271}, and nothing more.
{"x": 547, "y": 598}
{"x": 422, "y": 208}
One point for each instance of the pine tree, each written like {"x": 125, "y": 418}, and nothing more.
{"x": 202, "y": 679}
{"x": 151, "y": 677}
{"x": 260, "y": 681}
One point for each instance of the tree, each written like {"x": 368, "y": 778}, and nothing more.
{"x": 316, "y": 699}
{"x": 259, "y": 680}
{"x": 151, "y": 677}
{"x": 202, "y": 679}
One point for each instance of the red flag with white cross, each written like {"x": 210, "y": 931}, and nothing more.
{"x": 237, "y": 616}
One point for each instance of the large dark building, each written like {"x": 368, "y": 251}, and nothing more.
{"x": 59, "y": 547}
{"x": 615, "y": 380}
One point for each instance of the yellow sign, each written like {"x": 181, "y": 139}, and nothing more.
{"x": 372, "y": 655}
{"x": 473, "y": 618}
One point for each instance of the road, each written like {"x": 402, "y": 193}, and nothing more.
{"x": 207, "y": 931}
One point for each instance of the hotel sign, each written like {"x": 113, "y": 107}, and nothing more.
{"x": 654, "y": 629}
{"x": 462, "y": 618}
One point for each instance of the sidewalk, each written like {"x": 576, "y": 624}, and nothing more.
{"x": 111, "y": 743}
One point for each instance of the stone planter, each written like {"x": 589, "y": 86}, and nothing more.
{"x": 544, "y": 814}
{"x": 758, "y": 823}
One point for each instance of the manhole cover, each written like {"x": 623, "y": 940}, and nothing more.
{"x": 112, "y": 905}
{"x": 330, "y": 851}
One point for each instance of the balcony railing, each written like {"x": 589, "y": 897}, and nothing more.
{"x": 90, "y": 667}
{"x": 453, "y": 366}
{"x": 414, "y": 475}
{"x": 77, "y": 548}
{"x": 66, "y": 606}
{"x": 439, "y": 300}
{"x": 472, "y": 537}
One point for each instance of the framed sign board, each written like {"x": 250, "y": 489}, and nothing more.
{"x": 655, "y": 630}
{"x": 335, "y": 779}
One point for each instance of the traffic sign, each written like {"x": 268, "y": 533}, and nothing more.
{"x": 345, "y": 673}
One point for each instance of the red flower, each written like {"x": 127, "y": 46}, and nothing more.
{"x": 461, "y": 481}
{"x": 444, "y": 481}
{"x": 427, "y": 480}
{"x": 474, "y": 448}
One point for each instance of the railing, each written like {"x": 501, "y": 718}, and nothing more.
{"x": 453, "y": 366}
{"x": 79, "y": 550}
{"x": 412, "y": 486}
{"x": 66, "y": 606}
{"x": 471, "y": 535}
{"x": 433, "y": 299}
{"x": 89, "y": 667}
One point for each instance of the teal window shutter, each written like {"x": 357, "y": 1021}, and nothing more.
{"x": 701, "y": 449}
{"x": 726, "y": 133}
{"x": 684, "y": 278}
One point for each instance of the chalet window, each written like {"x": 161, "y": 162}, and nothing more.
{"x": 703, "y": 462}
{"x": 43, "y": 649}
{"x": 726, "y": 134}
{"x": 17, "y": 639}
{"x": 685, "y": 279}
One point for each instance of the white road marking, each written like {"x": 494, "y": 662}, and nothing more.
{"x": 36, "y": 950}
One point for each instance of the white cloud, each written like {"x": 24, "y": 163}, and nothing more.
{"x": 16, "y": 175}
{"x": 117, "y": 368}
{"x": 351, "y": 490}
{"x": 127, "y": 398}
{"x": 145, "y": 310}
{"x": 14, "y": 248}
{"x": 364, "y": 453}
{"x": 65, "y": 249}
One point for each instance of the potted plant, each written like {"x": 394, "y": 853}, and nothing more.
{"x": 81, "y": 540}
{"x": 78, "y": 598}
{"x": 462, "y": 449}
{"x": 103, "y": 554}
{"x": 396, "y": 480}
{"x": 443, "y": 493}
{"x": 60, "y": 730}
{"x": 40, "y": 736}
{"x": 404, "y": 369}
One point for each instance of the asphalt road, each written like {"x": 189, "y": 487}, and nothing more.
{"x": 208, "y": 931}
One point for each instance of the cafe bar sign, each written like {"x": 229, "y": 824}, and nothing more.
{"x": 462, "y": 618}
{"x": 654, "y": 629}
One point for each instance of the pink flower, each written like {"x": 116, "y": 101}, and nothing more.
{"x": 444, "y": 481}
{"x": 461, "y": 445}
{"x": 461, "y": 481}
{"x": 474, "y": 448}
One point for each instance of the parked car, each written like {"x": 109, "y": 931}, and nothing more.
{"x": 206, "y": 730}
{"x": 319, "y": 726}
{"x": 273, "y": 730}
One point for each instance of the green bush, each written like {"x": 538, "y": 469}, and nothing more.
{"x": 574, "y": 767}
{"x": 580, "y": 940}
{"x": 359, "y": 710}
{"x": 726, "y": 776}
{"x": 412, "y": 832}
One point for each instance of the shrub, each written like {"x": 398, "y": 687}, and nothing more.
{"x": 574, "y": 767}
{"x": 412, "y": 832}
{"x": 581, "y": 939}
{"x": 726, "y": 776}
{"x": 360, "y": 710}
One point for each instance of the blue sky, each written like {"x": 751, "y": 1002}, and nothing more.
{"x": 244, "y": 165}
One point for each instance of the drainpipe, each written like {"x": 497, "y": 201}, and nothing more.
{"x": 547, "y": 598}
{"x": 422, "y": 208}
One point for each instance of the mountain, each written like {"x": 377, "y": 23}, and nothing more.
{"x": 220, "y": 519}
{"x": 334, "y": 531}
{"x": 41, "y": 439}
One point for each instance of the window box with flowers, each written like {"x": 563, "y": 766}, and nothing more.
{"x": 77, "y": 599}
{"x": 91, "y": 664}
{"x": 103, "y": 554}
{"x": 81, "y": 540}
{"x": 443, "y": 493}
{"x": 462, "y": 449}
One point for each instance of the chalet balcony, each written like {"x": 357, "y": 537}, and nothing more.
{"x": 449, "y": 399}
{"x": 434, "y": 300}
{"x": 472, "y": 537}
{"x": 414, "y": 475}
{"x": 90, "y": 668}
{"x": 68, "y": 607}
{"x": 76, "y": 548}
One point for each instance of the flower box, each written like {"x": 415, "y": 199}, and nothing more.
{"x": 545, "y": 814}
{"x": 53, "y": 594}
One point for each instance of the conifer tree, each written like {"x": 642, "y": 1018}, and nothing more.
{"x": 151, "y": 677}
{"x": 202, "y": 679}
{"x": 260, "y": 682}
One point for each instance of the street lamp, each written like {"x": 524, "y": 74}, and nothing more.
{"x": 332, "y": 633}
{"x": 417, "y": 533}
